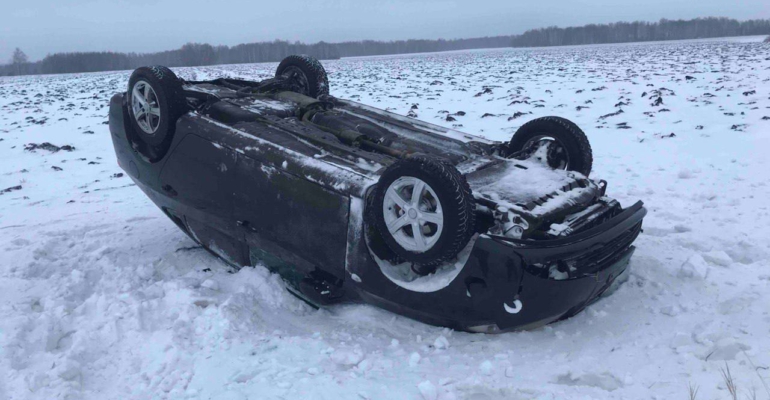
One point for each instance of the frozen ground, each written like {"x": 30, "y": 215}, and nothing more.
{"x": 102, "y": 297}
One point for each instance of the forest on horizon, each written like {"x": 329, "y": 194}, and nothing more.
{"x": 197, "y": 54}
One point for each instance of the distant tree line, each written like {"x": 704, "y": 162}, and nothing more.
{"x": 191, "y": 54}
{"x": 622, "y": 32}
{"x": 372, "y": 47}
{"x": 194, "y": 54}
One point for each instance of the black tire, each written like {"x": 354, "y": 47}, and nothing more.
{"x": 170, "y": 101}
{"x": 373, "y": 238}
{"x": 458, "y": 209}
{"x": 564, "y": 131}
{"x": 316, "y": 82}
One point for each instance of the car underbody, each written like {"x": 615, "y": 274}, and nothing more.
{"x": 366, "y": 139}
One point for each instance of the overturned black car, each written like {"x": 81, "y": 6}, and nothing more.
{"x": 349, "y": 202}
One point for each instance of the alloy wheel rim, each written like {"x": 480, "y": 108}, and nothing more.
{"x": 145, "y": 107}
{"x": 413, "y": 214}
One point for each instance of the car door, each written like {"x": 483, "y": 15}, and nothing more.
{"x": 198, "y": 178}
{"x": 289, "y": 221}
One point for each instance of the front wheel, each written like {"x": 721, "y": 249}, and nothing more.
{"x": 555, "y": 141}
{"x": 424, "y": 211}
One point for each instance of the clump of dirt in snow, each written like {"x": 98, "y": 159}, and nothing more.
{"x": 47, "y": 146}
{"x": 10, "y": 189}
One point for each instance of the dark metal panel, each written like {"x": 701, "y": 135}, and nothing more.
{"x": 283, "y": 150}
{"x": 292, "y": 215}
{"x": 228, "y": 248}
{"x": 198, "y": 178}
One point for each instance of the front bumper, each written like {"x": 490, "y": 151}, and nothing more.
{"x": 502, "y": 286}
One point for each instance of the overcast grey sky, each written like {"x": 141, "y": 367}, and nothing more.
{"x": 40, "y": 27}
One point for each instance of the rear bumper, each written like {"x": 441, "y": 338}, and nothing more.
{"x": 504, "y": 286}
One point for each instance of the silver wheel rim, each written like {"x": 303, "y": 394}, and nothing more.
{"x": 413, "y": 214}
{"x": 145, "y": 107}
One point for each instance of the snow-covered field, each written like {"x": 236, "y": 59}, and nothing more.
{"x": 102, "y": 297}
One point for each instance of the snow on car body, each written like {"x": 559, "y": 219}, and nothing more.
{"x": 346, "y": 201}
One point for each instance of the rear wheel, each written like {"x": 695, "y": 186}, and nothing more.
{"x": 423, "y": 210}
{"x": 555, "y": 141}
{"x": 155, "y": 102}
{"x": 307, "y": 74}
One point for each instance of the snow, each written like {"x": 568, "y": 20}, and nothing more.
{"x": 517, "y": 182}
{"x": 102, "y": 297}
{"x": 523, "y": 181}
{"x": 258, "y": 105}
